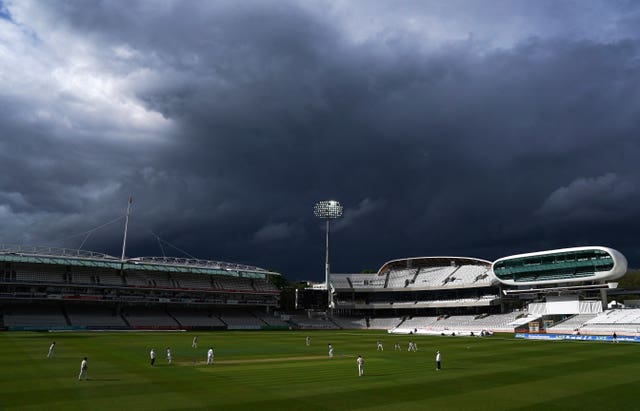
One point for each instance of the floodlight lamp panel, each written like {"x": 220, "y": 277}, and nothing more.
{"x": 328, "y": 209}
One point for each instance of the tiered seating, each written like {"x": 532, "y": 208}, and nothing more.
{"x": 192, "y": 281}
{"x": 239, "y": 319}
{"x": 470, "y": 274}
{"x": 401, "y": 278}
{"x": 40, "y": 277}
{"x": 263, "y": 285}
{"x": 496, "y": 322}
{"x": 136, "y": 278}
{"x": 163, "y": 280}
{"x": 571, "y": 325}
{"x": 340, "y": 281}
{"x": 419, "y": 322}
{"x": 271, "y": 320}
{"x": 110, "y": 278}
{"x": 382, "y": 301}
{"x": 384, "y": 323}
{"x": 195, "y": 317}
{"x": 460, "y": 324}
{"x": 83, "y": 277}
{"x": 454, "y": 322}
{"x": 351, "y": 323}
{"x": 94, "y": 317}
{"x": 233, "y": 283}
{"x": 149, "y": 317}
{"x": 306, "y": 322}
{"x": 620, "y": 321}
{"x": 88, "y": 275}
{"x": 34, "y": 316}
{"x": 433, "y": 277}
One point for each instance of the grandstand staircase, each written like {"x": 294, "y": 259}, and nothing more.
{"x": 66, "y": 316}
{"x": 255, "y": 316}
{"x": 565, "y": 320}
{"x": 450, "y": 276}
{"x": 172, "y": 317}
{"x": 415, "y": 276}
{"x": 124, "y": 318}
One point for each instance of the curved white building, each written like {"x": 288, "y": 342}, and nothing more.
{"x": 561, "y": 266}
{"x": 420, "y": 283}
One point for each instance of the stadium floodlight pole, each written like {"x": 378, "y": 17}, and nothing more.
{"x": 126, "y": 226}
{"x": 327, "y": 210}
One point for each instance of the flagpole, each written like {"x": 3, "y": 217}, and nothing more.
{"x": 126, "y": 226}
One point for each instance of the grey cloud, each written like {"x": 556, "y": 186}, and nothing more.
{"x": 588, "y": 199}
{"x": 275, "y": 232}
{"x": 359, "y": 211}
{"x": 469, "y": 144}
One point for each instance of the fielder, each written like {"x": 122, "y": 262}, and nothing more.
{"x": 52, "y": 350}
{"x": 152, "y": 354}
{"x": 360, "y": 363}
{"x": 83, "y": 370}
{"x": 330, "y": 351}
{"x": 169, "y": 355}
{"x": 210, "y": 356}
{"x": 194, "y": 344}
{"x": 379, "y": 347}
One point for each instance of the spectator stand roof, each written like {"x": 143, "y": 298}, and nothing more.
{"x": 83, "y": 258}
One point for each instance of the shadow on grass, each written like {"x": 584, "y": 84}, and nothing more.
{"x": 101, "y": 379}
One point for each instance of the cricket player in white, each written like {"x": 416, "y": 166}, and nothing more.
{"x": 330, "y": 351}
{"x": 169, "y": 355}
{"x": 194, "y": 344}
{"x": 396, "y": 347}
{"x": 360, "y": 363}
{"x": 52, "y": 350}
{"x": 380, "y": 348}
{"x": 152, "y": 354}
{"x": 308, "y": 341}
{"x": 412, "y": 346}
{"x": 210, "y": 356}
{"x": 83, "y": 369}
{"x": 438, "y": 359}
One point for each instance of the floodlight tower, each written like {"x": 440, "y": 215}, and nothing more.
{"x": 327, "y": 210}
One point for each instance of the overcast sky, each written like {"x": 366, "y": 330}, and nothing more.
{"x": 466, "y": 128}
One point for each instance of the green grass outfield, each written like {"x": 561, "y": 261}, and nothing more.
{"x": 262, "y": 370}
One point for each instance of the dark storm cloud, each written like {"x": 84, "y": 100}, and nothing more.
{"x": 482, "y": 142}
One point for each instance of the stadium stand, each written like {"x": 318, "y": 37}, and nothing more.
{"x": 190, "y": 281}
{"x": 149, "y": 317}
{"x": 400, "y": 278}
{"x": 34, "y": 316}
{"x": 620, "y": 321}
{"x": 424, "y": 295}
{"x": 302, "y": 321}
{"x": 195, "y": 318}
{"x": 457, "y": 324}
{"x": 239, "y": 319}
{"x": 143, "y": 289}
{"x": 94, "y": 317}
{"x": 351, "y": 323}
{"x": 271, "y": 320}
{"x": 571, "y": 325}
{"x": 384, "y": 323}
